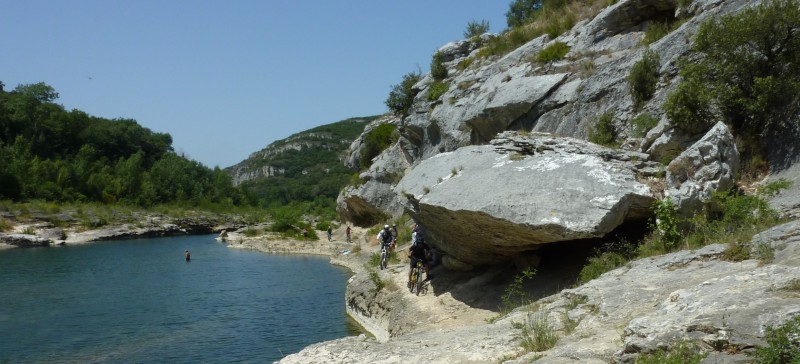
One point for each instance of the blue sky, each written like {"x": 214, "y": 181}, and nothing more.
{"x": 226, "y": 78}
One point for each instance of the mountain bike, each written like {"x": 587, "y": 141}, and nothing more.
{"x": 416, "y": 278}
{"x": 384, "y": 256}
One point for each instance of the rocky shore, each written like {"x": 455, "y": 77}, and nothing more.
{"x": 39, "y": 231}
{"x": 722, "y": 306}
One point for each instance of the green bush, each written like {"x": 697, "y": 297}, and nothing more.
{"x": 666, "y": 225}
{"x": 536, "y": 333}
{"x": 375, "y": 142}
{"x": 475, "y": 29}
{"x": 437, "y": 89}
{"x": 744, "y": 71}
{"x": 604, "y": 132}
{"x": 553, "y": 52}
{"x": 401, "y": 97}
{"x": 642, "y": 124}
{"x": 682, "y": 354}
{"x": 643, "y": 77}
{"x": 520, "y": 12}
{"x": 783, "y": 344}
{"x": 438, "y": 69}
{"x": 600, "y": 264}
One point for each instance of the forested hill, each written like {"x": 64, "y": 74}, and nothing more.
{"x": 305, "y": 166}
{"x": 49, "y": 153}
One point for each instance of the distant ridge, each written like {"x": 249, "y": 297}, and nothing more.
{"x": 303, "y": 167}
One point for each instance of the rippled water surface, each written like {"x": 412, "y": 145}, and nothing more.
{"x": 139, "y": 301}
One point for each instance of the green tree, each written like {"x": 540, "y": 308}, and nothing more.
{"x": 39, "y": 91}
{"x": 748, "y": 72}
{"x": 520, "y": 12}
{"x": 402, "y": 95}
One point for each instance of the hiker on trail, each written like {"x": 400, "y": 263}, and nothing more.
{"x": 305, "y": 234}
{"x": 348, "y": 233}
{"x": 330, "y": 232}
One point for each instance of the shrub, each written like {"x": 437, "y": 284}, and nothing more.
{"x": 536, "y": 333}
{"x": 437, "y": 89}
{"x": 375, "y": 142}
{"x": 783, "y": 345}
{"x": 600, "y": 264}
{"x": 514, "y": 296}
{"x": 665, "y": 227}
{"x": 250, "y": 232}
{"x": 736, "y": 252}
{"x": 355, "y": 180}
{"x": 401, "y": 97}
{"x": 731, "y": 218}
{"x": 4, "y": 225}
{"x": 475, "y": 29}
{"x": 438, "y": 69}
{"x": 553, "y": 52}
{"x": 682, "y": 354}
{"x": 604, "y": 132}
{"x": 464, "y": 64}
{"x": 643, "y": 77}
{"x": 643, "y": 123}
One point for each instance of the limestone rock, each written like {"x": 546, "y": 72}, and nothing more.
{"x": 707, "y": 166}
{"x": 485, "y": 204}
{"x": 374, "y": 198}
{"x": 24, "y": 240}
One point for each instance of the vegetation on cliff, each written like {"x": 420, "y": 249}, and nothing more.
{"x": 311, "y": 171}
{"x": 743, "y": 71}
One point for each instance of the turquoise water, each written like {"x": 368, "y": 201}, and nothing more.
{"x": 138, "y": 301}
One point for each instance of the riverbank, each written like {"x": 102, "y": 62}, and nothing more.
{"x": 27, "y": 228}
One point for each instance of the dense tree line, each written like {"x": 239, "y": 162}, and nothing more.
{"x": 47, "y": 152}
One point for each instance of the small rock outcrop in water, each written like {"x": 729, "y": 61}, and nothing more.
{"x": 486, "y": 204}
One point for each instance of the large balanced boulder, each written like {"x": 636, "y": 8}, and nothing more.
{"x": 486, "y": 204}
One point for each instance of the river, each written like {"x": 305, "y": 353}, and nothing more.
{"x": 139, "y": 301}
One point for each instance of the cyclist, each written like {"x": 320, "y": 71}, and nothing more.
{"x": 385, "y": 237}
{"x": 420, "y": 251}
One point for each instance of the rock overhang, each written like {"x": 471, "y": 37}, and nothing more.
{"x": 484, "y": 204}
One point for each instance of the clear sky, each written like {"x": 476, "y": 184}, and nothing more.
{"x": 226, "y": 78}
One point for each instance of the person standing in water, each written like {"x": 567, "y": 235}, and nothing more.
{"x": 187, "y": 255}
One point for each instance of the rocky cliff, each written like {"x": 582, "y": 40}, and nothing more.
{"x": 439, "y": 171}
{"x": 498, "y": 171}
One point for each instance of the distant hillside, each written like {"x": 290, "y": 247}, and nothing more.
{"x": 304, "y": 167}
